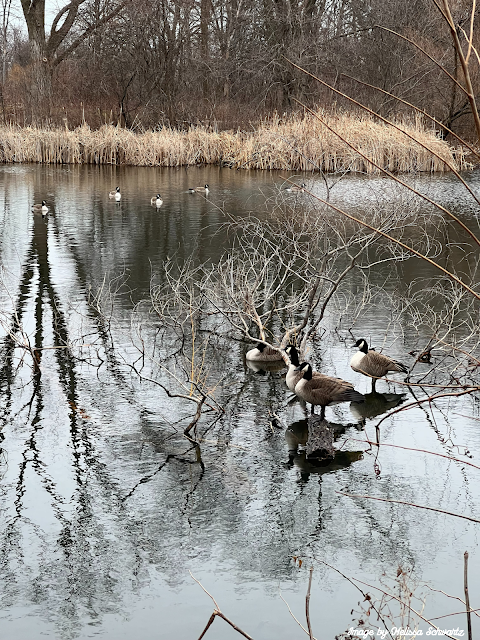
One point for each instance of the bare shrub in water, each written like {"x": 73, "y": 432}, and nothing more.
{"x": 282, "y": 274}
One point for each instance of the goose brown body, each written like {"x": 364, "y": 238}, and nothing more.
{"x": 324, "y": 390}
{"x": 204, "y": 189}
{"x": 295, "y": 188}
{"x": 262, "y": 353}
{"x": 373, "y": 364}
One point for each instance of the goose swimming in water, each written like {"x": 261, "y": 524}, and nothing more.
{"x": 115, "y": 194}
{"x": 204, "y": 189}
{"x": 40, "y": 208}
{"x": 373, "y": 364}
{"x": 295, "y": 188}
{"x": 157, "y": 200}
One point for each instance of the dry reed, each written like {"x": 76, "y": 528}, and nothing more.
{"x": 293, "y": 144}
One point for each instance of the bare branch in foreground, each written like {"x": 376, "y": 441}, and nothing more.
{"x": 467, "y": 599}
{"x": 398, "y": 242}
{"x": 410, "y": 504}
{"x": 392, "y": 124}
{"x": 307, "y": 604}
{"x": 294, "y": 617}
{"x": 218, "y": 613}
{"x": 433, "y": 453}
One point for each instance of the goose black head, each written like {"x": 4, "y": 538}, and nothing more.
{"x": 260, "y": 347}
{"x": 307, "y": 370}
{"x": 362, "y": 345}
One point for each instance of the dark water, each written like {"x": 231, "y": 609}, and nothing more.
{"x": 105, "y": 509}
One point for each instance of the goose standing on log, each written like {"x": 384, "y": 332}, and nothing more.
{"x": 373, "y": 364}
{"x": 324, "y": 390}
{"x": 262, "y": 353}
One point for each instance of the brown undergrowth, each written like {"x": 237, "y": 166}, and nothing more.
{"x": 294, "y": 144}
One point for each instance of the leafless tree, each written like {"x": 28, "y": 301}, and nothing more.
{"x": 48, "y": 51}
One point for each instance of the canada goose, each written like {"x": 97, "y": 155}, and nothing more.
{"x": 157, "y": 200}
{"x": 264, "y": 353}
{"x": 40, "y": 208}
{"x": 204, "y": 189}
{"x": 324, "y": 390}
{"x": 294, "y": 374}
{"x": 115, "y": 194}
{"x": 295, "y": 188}
{"x": 373, "y": 364}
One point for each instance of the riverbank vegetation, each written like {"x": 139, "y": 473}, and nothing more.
{"x": 293, "y": 143}
{"x": 223, "y": 63}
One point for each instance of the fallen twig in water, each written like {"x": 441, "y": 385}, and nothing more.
{"x": 217, "y": 612}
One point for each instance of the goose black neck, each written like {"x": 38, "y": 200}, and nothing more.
{"x": 293, "y": 353}
{"x": 307, "y": 372}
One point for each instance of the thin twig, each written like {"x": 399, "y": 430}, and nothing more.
{"x": 374, "y": 164}
{"x": 307, "y": 605}
{"x": 409, "y": 504}
{"x": 218, "y": 613}
{"x": 416, "y": 403}
{"x": 467, "y": 599}
{"x": 421, "y": 111}
{"x": 293, "y": 616}
{"x": 211, "y": 619}
{"x": 433, "y": 453}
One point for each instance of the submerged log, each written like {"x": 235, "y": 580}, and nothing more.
{"x": 320, "y": 439}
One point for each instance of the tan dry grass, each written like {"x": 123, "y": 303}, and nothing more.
{"x": 294, "y": 144}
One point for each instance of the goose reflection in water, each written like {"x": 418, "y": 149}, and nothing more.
{"x": 375, "y": 404}
{"x": 297, "y": 435}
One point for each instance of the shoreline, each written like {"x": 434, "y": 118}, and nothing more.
{"x": 292, "y": 144}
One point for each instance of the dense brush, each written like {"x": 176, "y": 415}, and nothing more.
{"x": 292, "y": 144}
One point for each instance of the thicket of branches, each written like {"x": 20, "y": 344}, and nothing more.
{"x": 222, "y": 62}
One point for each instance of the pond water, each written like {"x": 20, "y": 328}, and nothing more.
{"x": 106, "y": 512}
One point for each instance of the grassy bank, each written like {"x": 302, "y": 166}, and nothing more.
{"x": 296, "y": 144}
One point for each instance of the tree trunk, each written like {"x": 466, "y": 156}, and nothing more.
{"x": 41, "y": 74}
{"x": 204, "y": 20}
{"x": 41, "y": 81}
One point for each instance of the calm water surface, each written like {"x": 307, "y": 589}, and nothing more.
{"x": 105, "y": 511}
